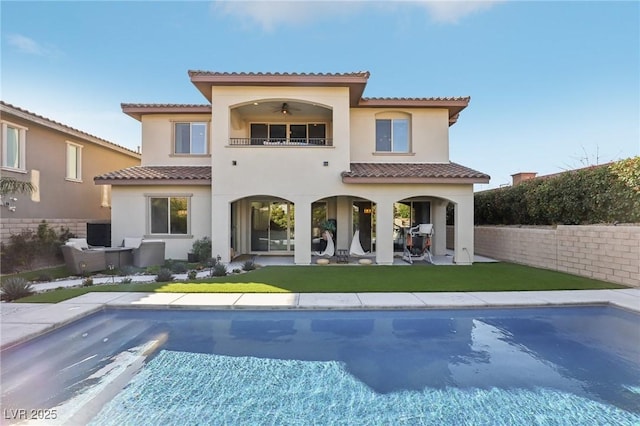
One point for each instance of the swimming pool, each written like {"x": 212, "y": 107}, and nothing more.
{"x": 570, "y": 365}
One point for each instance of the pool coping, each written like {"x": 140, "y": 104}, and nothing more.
{"x": 24, "y": 321}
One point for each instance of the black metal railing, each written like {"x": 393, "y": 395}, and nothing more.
{"x": 282, "y": 141}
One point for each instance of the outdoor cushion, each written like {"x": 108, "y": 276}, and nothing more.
{"x": 132, "y": 242}
{"x": 80, "y": 243}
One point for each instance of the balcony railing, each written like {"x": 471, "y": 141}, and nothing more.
{"x": 282, "y": 141}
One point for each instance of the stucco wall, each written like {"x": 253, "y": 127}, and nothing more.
{"x": 429, "y": 136}
{"x": 130, "y": 212}
{"x": 610, "y": 253}
{"x": 158, "y": 137}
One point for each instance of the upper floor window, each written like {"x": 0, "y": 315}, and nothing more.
{"x": 294, "y": 133}
{"x": 14, "y": 140}
{"x": 190, "y": 138}
{"x": 74, "y": 161}
{"x": 392, "y": 135}
{"x": 169, "y": 215}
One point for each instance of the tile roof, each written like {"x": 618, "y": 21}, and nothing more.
{"x": 192, "y": 73}
{"x": 137, "y": 110}
{"x": 428, "y": 99}
{"x": 413, "y": 173}
{"x": 157, "y": 174}
{"x": 8, "y": 108}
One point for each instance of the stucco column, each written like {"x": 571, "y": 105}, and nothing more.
{"x": 221, "y": 227}
{"x": 384, "y": 232}
{"x": 344, "y": 231}
{"x": 464, "y": 231}
{"x": 439, "y": 218}
{"x": 302, "y": 252}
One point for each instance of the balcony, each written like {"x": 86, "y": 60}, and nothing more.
{"x": 281, "y": 141}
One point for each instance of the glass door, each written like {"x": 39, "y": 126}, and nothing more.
{"x": 272, "y": 226}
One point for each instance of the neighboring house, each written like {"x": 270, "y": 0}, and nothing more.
{"x": 61, "y": 163}
{"x": 271, "y": 156}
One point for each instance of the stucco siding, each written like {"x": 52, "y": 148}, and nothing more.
{"x": 158, "y": 140}
{"x": 429, "y": 136}
{"x": 131, "y": 216}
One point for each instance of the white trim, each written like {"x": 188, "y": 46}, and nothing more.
{"x": 22, "y": 147}
{"x": 78, "y": 166}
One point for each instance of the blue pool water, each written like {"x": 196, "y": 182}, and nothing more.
{"x": 547, "y": 366}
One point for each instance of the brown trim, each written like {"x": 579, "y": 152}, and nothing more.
{"x": 138, "y": 110}
{"x": 153, "y": 182}
{"x": 413, "y": 180}
{"x": 356, "y": 82}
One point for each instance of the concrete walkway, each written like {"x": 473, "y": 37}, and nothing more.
{"x": 23, "y": 321}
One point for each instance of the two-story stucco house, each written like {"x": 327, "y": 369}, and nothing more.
{"x": 60, "y": 162}
{"x": 271, "y": 156}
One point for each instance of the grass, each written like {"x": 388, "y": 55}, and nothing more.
{"x": 54, "y": 272}
{"x": 342, "y": 278}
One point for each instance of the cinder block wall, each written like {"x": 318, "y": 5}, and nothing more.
{"x": 9, "y": 226}
{"x": 606, "y": 252}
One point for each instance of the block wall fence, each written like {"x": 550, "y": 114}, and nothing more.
{"x": 604, "y": 252}
{"x": 9, "y": 226}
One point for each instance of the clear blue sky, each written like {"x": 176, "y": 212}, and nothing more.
{"x": 553, "y": 85}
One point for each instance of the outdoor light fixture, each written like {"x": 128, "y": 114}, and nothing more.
{"x": 9, "y": 204}
{"x": 325, "y": 163}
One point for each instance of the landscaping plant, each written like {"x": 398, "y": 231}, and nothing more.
{"x": 14, "y": 288}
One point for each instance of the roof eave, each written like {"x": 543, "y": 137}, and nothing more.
{"x": 137, "y": 111}
{"x": 415, "y": 180}
{"x": 355, "y": 82}
{"x": 151, "y": 182}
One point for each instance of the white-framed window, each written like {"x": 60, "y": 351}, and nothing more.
{"x": 169, "y": 214}
{"x": 190, "y": 138}
{"x": 14, "y": 145}
{"x": 392, "y": 135}
{"x": 74, "y": 162}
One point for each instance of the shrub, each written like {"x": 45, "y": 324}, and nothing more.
{"x": 179, "y": 268}
{"x": 598, "y": 194}
{"x": 192, "y": 275}
{"x": 125, "y": 280}
{"x": 249, "y": 265}
{"x": 14, "y": 288}
{"x": 44, "y": 277}
{"x": 127, "y": 270}
{"x": 164, "y": 275}
{"x": 219, "y": 270}
{"x": 237, "y": 270}
{"x": 202, "y": 248}
{"x": 87, "y": 282}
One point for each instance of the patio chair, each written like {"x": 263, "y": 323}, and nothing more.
{"x": 418, "y": 243}
{"x": 330, "y": 249}
{"x": 356, "y": 247}
{"x": 80, "y": 261}
{"x": 146, "y": 252}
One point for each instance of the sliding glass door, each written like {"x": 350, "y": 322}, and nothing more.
{"x": 272, "y": 226}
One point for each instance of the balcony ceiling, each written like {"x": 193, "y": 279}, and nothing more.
{"x": 273, "y": 109}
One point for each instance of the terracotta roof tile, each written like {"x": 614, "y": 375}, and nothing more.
{"x": 412, "y": 172}
{"x": 187, "y": 106}
{"x": 144, "y": 174}
{"x": 192, "y": 73}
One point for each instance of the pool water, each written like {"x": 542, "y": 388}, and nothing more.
{"x": 547, "y": 366}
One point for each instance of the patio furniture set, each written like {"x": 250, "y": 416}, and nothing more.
{"x": 80, "y": 257}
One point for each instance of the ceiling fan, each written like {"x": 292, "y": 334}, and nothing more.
{"x": 285, "y": 109}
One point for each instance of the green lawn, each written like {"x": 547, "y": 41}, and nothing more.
{"x": 343, "y": 278}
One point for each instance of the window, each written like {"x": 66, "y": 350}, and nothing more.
{"x": 392, "y": 135}
{"x": 13, "y": 146}
{"x": 190, "y": 138}
{"x": 300, "y": 133}
{"x": 74, "y": 161}
{"x": 169, "y": 215}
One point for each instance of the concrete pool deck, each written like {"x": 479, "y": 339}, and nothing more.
{"x": 24, "y": 321}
